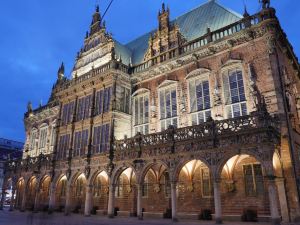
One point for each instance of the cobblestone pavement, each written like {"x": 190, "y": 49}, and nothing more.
{"x": 29, "y": 218}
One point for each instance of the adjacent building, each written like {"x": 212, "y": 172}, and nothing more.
{"x": 9, "y": 150}
{"x": 198, "y": 118}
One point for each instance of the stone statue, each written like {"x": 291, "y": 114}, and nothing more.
{"x": 265, "y": 3}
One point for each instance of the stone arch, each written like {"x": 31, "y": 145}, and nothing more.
{"x": 174, "y": 175}
{"x": 43, "y": 193}
{"x": 100, "y": 190}
{"x": 277, "y": 165}
{"x": 61, "y": 183}
{"x": 77, "y": 189}
{"x": 242, "y": 181}
{"x": 31, "y": 192}
{"x": 96, "y": 174}
{"x": 124, "y": 180}
{"x": 221, "y": 163}
{"x": 194, "y": 185}
{"x": 119, "y": 170}
{"x": 147, "y": 167}
{"x": 20, "y": 191}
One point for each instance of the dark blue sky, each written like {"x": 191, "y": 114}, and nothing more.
{"x": 37, "y": 35}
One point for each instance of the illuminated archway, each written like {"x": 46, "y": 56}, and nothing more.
{"x": 31, "y": 192}
{"x": 60, "y": 193}
{"x": 194, "y": 187}
{"x": 100, "y": 191}
{"x": 20, "y": 189}
{"x": 125, "y": 191}
{"x": 44, "y": 193}
{"x": 243, "y": 185}
{"x": 78, "y": 193}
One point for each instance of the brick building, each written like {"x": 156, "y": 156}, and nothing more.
{"x": 9, "y": 150}
{"x": 197, "y": 118}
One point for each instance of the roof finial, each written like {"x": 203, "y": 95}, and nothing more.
{"x": 163, "y": 7}
{"x": 97, "y": 8}
{"x": 61, "y": 71}
{"x": 246, "y": 14}
{"x": 29, "y": 107}
{"x": 265, "y": 3}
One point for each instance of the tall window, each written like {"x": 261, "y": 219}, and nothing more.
{"x": 103, "y": 101}
{"x": 43, "y": 139}
{"x": 254, "y": 184}
{"x": 67, "y": 113}
{"x": 101, "y": 138}
{"x": 206, "y": 184}
{"x": 123, "y": 96}
{"x": 141, "y": 114}
{"x": 84, "y": 108}
{"x": 168, "y": 107}
{"x": 80, "y": 142}
{"x": 234, "y": 93}
{"x": 53, "y": 135}
{"x": 199, "y": 101}
{"x": 63, "y": 146}
{"x": 33, "y": 137}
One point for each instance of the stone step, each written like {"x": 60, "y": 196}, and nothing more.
{"x": 188, "y": 216}
{"x": 153, "y": 215}
{"x": 123, "y": 213}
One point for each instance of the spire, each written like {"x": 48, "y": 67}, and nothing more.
{"x": 265, "y": 3}
{"x": 61, "y": 71}
{"x": 29, "y": 107}
{"x": 96, "y": 21}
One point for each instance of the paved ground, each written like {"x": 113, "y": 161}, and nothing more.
{"x": 28, "y": 218}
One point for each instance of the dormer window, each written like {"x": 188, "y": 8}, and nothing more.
{"x": 168, "y": 106}
{"x": 234, "y": 93}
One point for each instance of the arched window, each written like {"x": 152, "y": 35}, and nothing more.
{"x": 234, "y": 93}
{"x": 32, "y": 141}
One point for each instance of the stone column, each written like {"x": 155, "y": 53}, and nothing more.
{"x": 52, "y": 198}
{"x": 282, "y": 199}
{"x": 2, "y": 199}
{"x": 36, "y": 199}
{"x": 275, "y": 217}
{"x": 68, "y": 200}
{"x": 88, "y": 200}
{"x": 12, "y": 200}
{"x": 111, "y": 200}
{"x": 139, "y": 201}
{"x": 217, "y": 200}
{"x": 23, "y": 205}
{"x": 174, "y": 201}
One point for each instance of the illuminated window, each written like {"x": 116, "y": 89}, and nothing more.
{"x": 141, "y": 114}
{"x": 168, "y": 107}
{"x": 234, "y": 93}
{"x": 80, "y": 142}
{"x": 101, "y": 138}
{"x": 254, "y": 184}
{"x": 33, "y": 137}
{"x": 43, "y": 139}
{"x": 103, "y": 98}
{"x": 84, "y": 108}
{"x": 199, "y": 101}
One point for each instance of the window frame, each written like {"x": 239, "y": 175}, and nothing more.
{"x": 168, "y": 85}
{"x": 137, "y": 95}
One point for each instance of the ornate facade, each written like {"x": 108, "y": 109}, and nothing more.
{"x": 199, "y": 118}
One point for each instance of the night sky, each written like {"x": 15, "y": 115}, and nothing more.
{"x": 37, "y": 35}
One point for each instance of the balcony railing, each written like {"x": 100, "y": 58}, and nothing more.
{"x": 212, "y": 130}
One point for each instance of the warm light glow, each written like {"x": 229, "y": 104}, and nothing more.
{"x": 64, "y": 178}
{"x": 129, "y": 173}
{"x": 191, "y": 166}
{"x": 104, "y": 175}
{"x": 231, "y": 163}
{"x": 81, "y": 176}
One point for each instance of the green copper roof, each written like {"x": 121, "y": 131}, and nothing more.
{"x": 192, "y": 24}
